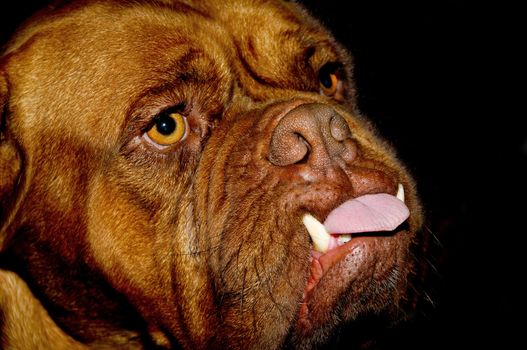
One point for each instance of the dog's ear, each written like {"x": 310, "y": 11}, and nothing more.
{"x": 10, "y": 166}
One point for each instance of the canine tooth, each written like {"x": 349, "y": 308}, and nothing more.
{"x": 400, "y": 193}
{"x": 318, "y": 233}
{"x": 343, "y": 239}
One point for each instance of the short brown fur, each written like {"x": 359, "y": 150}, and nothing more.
{"x": 199, "y": 245}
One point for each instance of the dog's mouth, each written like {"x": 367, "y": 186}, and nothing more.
{"x": 351, "y": 226}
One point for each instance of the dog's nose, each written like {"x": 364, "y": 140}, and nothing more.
{"x": 311, "y": 133}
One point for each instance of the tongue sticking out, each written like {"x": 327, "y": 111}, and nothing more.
{"x": 368, "y": 213}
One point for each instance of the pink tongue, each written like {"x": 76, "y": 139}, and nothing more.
{"x": 368, "y": 213}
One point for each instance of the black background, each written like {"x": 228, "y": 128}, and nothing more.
{"x": 441, "y": 80}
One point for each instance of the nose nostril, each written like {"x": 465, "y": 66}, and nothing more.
{"x": 309, "y": 133}
{"x": 302, "y": 140}
{"x": 288, "y": 148}
{"x": 339, "y": 128}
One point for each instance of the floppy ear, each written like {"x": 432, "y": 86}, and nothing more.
{"x": 10, "y": 166}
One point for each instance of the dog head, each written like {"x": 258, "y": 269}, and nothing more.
{"x": 166, "y": 167}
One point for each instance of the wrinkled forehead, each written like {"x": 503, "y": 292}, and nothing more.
{"x": 241, "y": 18}
{"x": 105, "y": 55}
{"x": 148, "y": 33}
{"x": 276, "y": 34}
{"x": 90, "y": 64}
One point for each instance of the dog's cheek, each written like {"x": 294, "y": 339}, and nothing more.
{"x": 144, "y": 242}
{"x": 11, "y": 161}
{"x": 122, "y": 243}
{"x": 10, "y": 170}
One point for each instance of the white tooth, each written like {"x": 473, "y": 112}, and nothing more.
{"x": 343, "y": 239}
{"x": 318, "y": 233}
{"x": 400, "y": 193}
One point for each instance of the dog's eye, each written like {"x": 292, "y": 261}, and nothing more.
{"x": 328, "y": 78}
{"x": 168, "y": 128}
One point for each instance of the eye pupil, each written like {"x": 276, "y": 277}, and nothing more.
{"x": 325, "y": 79}
{"x": 165, "y": 125}
{"x": 324, "y": 76}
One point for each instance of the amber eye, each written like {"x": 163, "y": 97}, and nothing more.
{"x": 168, "y": 128}
{"x": 328, "y": 78}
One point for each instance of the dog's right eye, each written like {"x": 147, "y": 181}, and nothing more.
{"x": 330, "y": 77}
{"x": 168, "y": 128}
{"x": 328, "y": 81}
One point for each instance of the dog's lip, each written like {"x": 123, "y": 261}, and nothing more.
{"x": 321, "y": 263}
{"x": 332, "y": 273}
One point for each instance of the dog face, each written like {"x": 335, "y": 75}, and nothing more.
{"x": 166, "y": 167}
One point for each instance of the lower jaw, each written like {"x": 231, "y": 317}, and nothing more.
{"x": 320, "y": 264}
{"x": 335, "y": 272}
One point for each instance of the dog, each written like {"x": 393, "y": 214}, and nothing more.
{"x": 192, "y": 174}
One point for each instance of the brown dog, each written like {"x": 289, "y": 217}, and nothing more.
{"x": 166, "y": 167}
